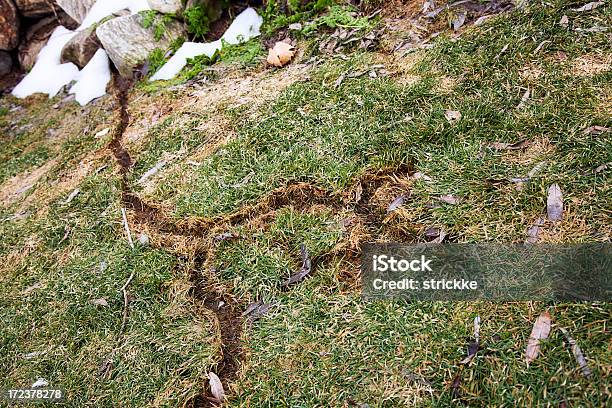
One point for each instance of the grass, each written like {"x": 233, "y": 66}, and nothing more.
{"x": 320, "y": 345}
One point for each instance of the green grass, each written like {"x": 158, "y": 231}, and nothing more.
{"x": 320, "y": 345}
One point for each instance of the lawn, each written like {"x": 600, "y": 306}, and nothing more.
{"x": 254, "y": 163}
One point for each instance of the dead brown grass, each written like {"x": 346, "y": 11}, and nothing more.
{"x": 13, "y": 189}
{"x": 591, "y": 64}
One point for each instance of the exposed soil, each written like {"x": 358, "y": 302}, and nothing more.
{"x": 359, "y": 200}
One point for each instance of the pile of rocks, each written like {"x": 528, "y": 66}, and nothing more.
{"x": 26, "y": 25}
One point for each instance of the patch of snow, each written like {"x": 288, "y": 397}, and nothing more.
{"x": 246, "y": 26}
{"x": 49, "y": 75}
{"x": 104, "y": 8}
{"x": 178, "y": 61}
{"x": 92, "y": 80}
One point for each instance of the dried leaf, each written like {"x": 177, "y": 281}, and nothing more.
{"x": 510, "y": 146}
{"x": 540, "y": 331}
{"x": 339, "y": 80}
{"x": 226, "y": 236}
{"x": 40, "y": 383}
{"x": 582, "y": 363}
{"x": 449, "y": 199}
{"x": 100, "y": 302}
{"x": 102, "y": 133}
{"x": 473, "y": 345}
{"x": 418, "y": 176}
{"x": 70, "y": 197}
{"x": 456, "y": 387}
{"x": 536, "y": 169}
{"x": 397, "y": 203}
{"x": 280, "y": 54}
{"x": 304, "y": 270}
{"x": 358, "y": 192}
{"x": 601, "y": 168}
{"x": 596, "y": 130}
{"x": 524, "y": 99}
{"x": 256, "y": 310}
{"x": 589, "y": 6}
{"x": 216, "y": 388}
{"x": 564, "y": 22}
{"x": 533, "y": 233}
{"x": 452, "y": 116}
{"x": 554, "y": 203}
{"x": 459, "y": 20}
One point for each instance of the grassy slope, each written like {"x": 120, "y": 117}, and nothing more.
{"x": 321, "y": 345}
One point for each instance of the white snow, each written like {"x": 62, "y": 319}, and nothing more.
{"x": 49, "y": 75}
{"x": 243, "y": 28}
{"x": 178, "y": 61}
{"x": 92, "y": 80}
{"x": 104, "y": 8}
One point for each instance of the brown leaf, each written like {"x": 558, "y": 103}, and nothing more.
{"x": 280, "y": 54}
{"x": 304, "y": 270}
{"x": 397, "y": 203}
{"x": 589, "y": 6}
{"x": 456, "y": 386}
{"x": 601, "y": 168}
{"x": 540, "y": 331}
{"x": 473, "y": 345}
{"x": 256, "y": 310}
{"x": 582, "y": 363}
{"x": 449, "y": 199}
{"x": 533, "y": 233}
{"x": 358, "y": 192}
{"x": 524, "y": 99}
{"x": 216, "y": 388}
{"x": 554, "y": 203}
{"x": 452, "y": 116}
{"x": 595, "y": 130}
{"x": 100, "y": 302}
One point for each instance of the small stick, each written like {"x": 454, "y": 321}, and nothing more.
{"x": 127, "y": 228}
{"x": 125, "y": 303}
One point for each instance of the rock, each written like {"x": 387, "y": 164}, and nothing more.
{"x": 37, "y": 35}
{"x": 6, "y": 63}
{"x": 81, "y": 48}
{"x": 77, "y": 9}
{"x": 128, "y": 43}
{"x": 36, "y": 8}
{"x": 9, "y": 25}
{"x": 166, "y": 6}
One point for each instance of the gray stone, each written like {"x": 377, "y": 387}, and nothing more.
{"x": 166, "y": 6}
{"x": 9, "y": 25}
{"x": 128, "y": 43}
{"x": 36, "y": 8}
{"x": 6, "y": 63}
{"x": 81, "y": 48}
{"x": 76, "y": 9}
{"x": 37, "y": 35}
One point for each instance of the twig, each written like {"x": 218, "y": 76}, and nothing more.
{"x": 125, "y": 303}
{"x": 127, "y": 228}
